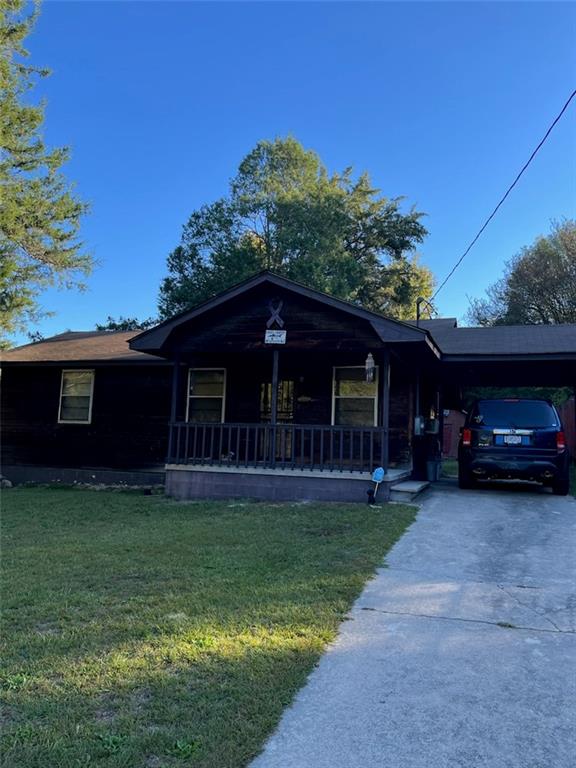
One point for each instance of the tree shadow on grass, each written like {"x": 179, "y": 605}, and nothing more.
{"x": 222, "y": 703}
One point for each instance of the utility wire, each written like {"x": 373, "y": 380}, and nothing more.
{"x": 510, "y": 188}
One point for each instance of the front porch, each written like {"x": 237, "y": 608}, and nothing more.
{"x": 283, "y": 393}
{"x": 277, "y": 461}
{"x": 187, "y": 482}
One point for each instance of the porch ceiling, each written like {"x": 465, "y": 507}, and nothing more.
{"x": 511, "y": 371}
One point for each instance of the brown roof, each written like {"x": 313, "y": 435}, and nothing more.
{"x": 508, "y": 340}
{"x": 79, "y": 346}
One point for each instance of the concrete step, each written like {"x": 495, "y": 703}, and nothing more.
{"x": 407, "y": 490}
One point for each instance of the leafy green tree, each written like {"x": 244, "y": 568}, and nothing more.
{"x": 39, "y": 214}
{"x": 126, "y": 324}
{"x": 557, "y": 395}
{"x": 286, "y": 213}
{"x": 539, "y": 284}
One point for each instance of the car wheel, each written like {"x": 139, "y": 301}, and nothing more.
{"x": 561, "y": 484}
{"x": 464, "y": 477}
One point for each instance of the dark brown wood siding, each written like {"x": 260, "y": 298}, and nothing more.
{"x": 130, "y": 413}
{"x": 311, "y": 374}
{"x": 401, "y": 414}
{"x": 242, "y": 324}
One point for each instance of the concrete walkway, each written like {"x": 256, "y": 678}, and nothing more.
{"x": 461, "y": 652}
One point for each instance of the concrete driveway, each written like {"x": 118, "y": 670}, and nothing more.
{"x": 462, "y": 652}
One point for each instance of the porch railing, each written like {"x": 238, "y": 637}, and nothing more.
{"x": 280, "y": 446}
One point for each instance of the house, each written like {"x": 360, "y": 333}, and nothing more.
{"x": 82, "y": 406}
{"x": 270, "y": 390}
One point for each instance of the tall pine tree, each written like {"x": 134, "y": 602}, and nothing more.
{"x": 39, "y": 214}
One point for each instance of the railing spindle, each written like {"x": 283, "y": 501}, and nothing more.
{"x": 220, "y": 443}
{"x": 211, "y": 457}
{"x": 177, "y": 444}
{"x": 312, "y": 448}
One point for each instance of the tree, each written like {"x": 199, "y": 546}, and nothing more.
{"x": 284, "y": 212}
{"x": 39, "y": 214}
{"x": 557, "y": 395}
{"x": 126, "y": 324}
{"x": 539, "y": 284}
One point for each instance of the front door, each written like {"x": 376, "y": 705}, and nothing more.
{"x": 285, "y": 406}
{"x": 282, "y": 446}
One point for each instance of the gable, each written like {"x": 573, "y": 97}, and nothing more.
{"x": 241, "y": 325}
{"x": 238, "y": 319}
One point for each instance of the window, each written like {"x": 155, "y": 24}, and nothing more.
{"x": 354, "y": 400}
{"x": 206, "y": 394}
{"x": 76, "y": 390}
{"x": 522, "y": 414}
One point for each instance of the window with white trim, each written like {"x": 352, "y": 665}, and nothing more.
{"x": 354, "y": 400}
{"x": 76, "y": 393}
{"x": 206, "y": 395}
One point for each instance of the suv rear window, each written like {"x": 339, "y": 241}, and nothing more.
{"x": 522, "y": 414}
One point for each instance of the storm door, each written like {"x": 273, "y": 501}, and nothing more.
{"x": 285, "y": 406}
{"x": 279, "y": 440}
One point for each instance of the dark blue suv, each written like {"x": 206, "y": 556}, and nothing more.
{"x": 514, "y": 439}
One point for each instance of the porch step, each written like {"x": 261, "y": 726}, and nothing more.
{"x": 408, "y": 490}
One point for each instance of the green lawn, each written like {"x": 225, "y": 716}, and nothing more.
{"x": 450, "y": 468}
{"x": 141, "y": 632}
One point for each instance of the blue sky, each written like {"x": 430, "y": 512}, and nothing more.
{"x": 440, "y": 102}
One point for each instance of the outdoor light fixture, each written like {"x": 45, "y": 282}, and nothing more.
{"x": 369, "y": 365}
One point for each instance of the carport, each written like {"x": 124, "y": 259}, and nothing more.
{"x": 499, "y": 356}
{"x": 503, "y": 356}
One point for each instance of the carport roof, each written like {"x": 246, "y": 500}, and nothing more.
{"x": 508, "y": 340}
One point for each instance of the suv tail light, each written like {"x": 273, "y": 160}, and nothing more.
{"x": 467, "y": 437}
{"x": 560, "y": 441}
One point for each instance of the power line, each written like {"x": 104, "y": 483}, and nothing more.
{"x": 510, "y": 188}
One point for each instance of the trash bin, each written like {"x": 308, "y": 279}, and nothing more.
{"x": 433, "y": 470}
{"x": 433, "y": 458}
{"x": 419, "y": 455}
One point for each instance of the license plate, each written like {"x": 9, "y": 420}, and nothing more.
{"x": 513, "y": 439}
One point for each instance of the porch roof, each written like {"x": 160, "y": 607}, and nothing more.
{"x": 155, "y": 340}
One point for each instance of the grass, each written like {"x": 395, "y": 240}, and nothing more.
{"x": 450, "y": 468}
{"x": 145, "y": 633}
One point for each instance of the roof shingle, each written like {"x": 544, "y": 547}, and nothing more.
{"x": 112, "y": 346}
{"x": 509, "y": 340}
{"x": 79, "y": 346}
